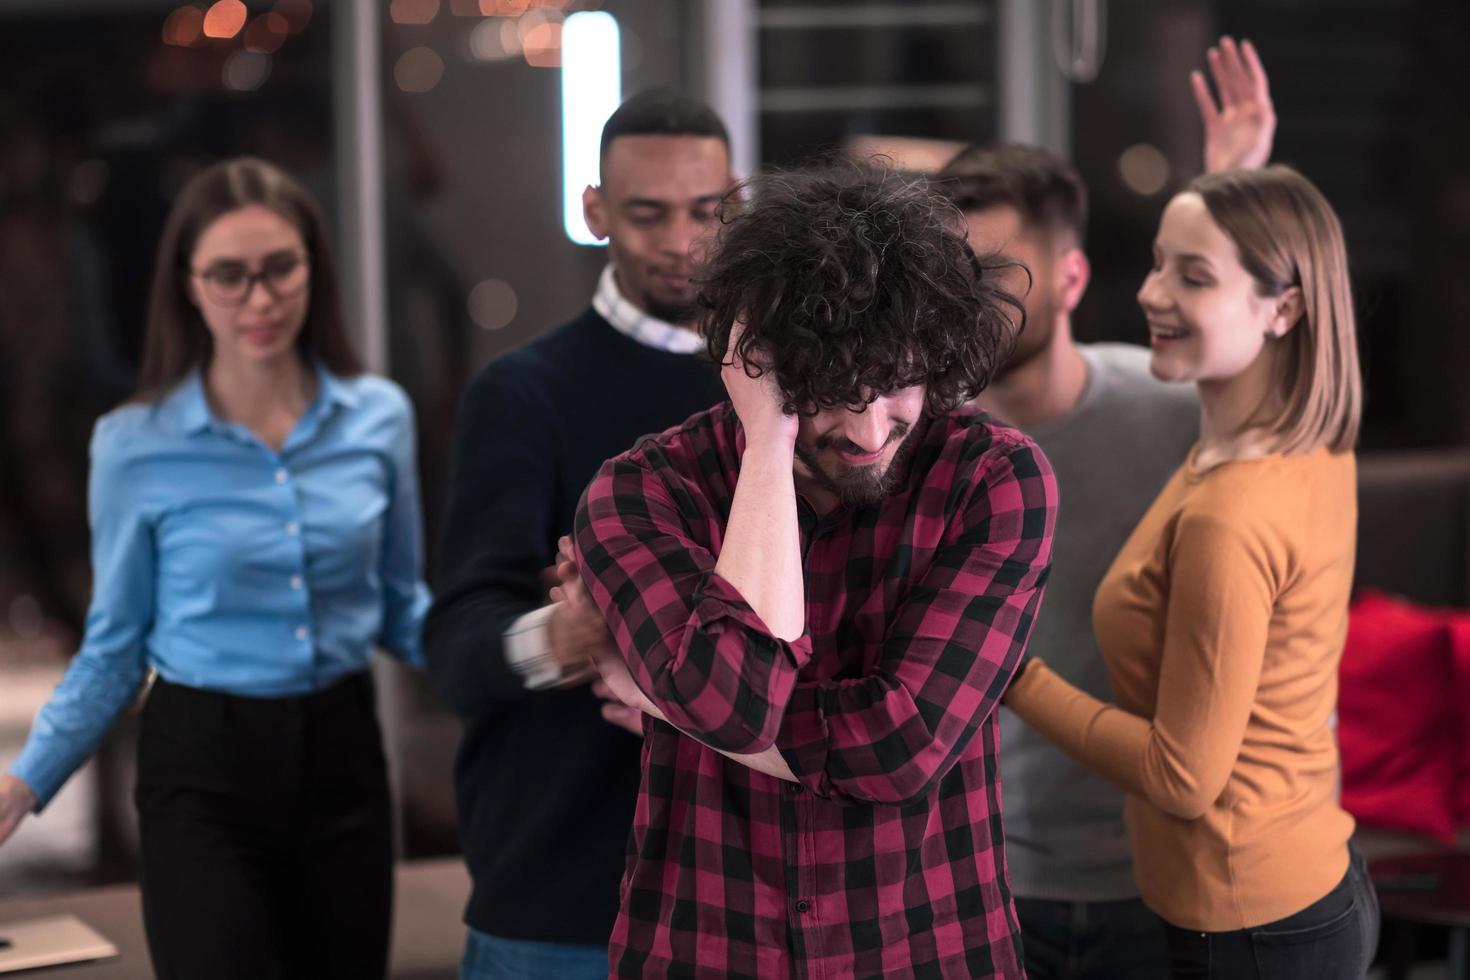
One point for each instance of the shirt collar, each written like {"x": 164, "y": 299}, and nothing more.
{"x": 195, "y": 415}
{"x": 627, "y": 319}
{"x": 190, "y": 405}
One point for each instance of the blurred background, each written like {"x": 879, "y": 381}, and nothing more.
{"x": 433, "y": 132}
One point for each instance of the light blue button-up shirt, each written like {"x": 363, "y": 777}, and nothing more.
{"x": 229, "y": 566}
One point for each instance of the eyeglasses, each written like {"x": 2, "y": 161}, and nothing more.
{"x": 284, "y": 276}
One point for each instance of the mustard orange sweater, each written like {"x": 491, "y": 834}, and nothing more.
{"x": 1222, "y": 622}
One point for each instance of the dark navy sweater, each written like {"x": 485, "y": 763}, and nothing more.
{"x": 546, "y": 787}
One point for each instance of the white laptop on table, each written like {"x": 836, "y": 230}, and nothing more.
{"x": 50, "y": 941}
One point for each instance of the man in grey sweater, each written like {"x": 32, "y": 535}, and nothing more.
{"x": 1113, "y": 435}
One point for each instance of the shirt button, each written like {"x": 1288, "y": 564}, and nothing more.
{"x": 280, "y": 476}
{"x": 293, "y": 528}
{"x": 295, "y": 581}
{"x": 803, "y": 905}
{"x": 301, "y": 632}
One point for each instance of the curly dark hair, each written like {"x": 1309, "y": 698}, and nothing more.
{"x": 853, "y": 281}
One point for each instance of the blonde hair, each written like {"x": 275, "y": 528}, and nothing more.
{"x": 1288, "y": 235}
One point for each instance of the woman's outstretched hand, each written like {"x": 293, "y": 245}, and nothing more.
{"x": 16, "y": 800}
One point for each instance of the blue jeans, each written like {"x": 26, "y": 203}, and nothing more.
{"x": 493, "y": 958}
{"x": 1092, "y": 940}
{"x": 1334, "y": 937}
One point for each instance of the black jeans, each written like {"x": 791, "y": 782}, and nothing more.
{"x": 266, "y": 836}
{"x": 1334, "y": 938}
{"x": 1091, "y": 940}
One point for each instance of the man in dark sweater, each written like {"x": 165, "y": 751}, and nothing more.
{"x": 546, "y": 787}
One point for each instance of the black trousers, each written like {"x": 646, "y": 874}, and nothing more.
{"x": 266, "y": 835}
{"x": 1334, "y": 938}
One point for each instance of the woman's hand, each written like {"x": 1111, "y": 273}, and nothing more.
{"x": 1239, "y": 131}
{"x": 16, "y": 800}
{"x": 578, "y": 633}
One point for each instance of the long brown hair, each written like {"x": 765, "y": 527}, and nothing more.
{"x": 177, "y": 340}
{"x": 1288, "y": 235}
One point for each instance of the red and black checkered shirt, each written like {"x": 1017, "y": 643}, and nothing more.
{"x": 887, "y": 859}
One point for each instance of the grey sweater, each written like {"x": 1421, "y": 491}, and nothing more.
{"x": 1112, "y": 454}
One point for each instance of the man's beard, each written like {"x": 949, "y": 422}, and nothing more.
{"x": 1034, "y": 340}
{"x": 857, "y": 486}
{"x": 679, "y": 314}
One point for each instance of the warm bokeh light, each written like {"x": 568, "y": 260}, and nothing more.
{"x": 542, "y": 46}
{"x": 1144, "y": 169}
{"x": 504, "y": 8}
{"x": 183, "y": 27}
{"x": 492, "y": 304}
{"x": 535, "y": 18}
{"x": 413, "y": 11}
{"x": 246, "y": 71}
{"x": 490, "y": 41}
{"x": 297, "y": 13}
{"x": 224, "y": 19}
{"x": 266, "y": 33}
{"x": 418, "y": 70}
{"x": 510, "y": 37}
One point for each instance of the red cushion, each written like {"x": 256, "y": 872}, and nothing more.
{"x": 1396, "y": 728}
{"x": 1459, "y": 626}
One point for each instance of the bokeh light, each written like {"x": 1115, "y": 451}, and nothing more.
{"x": 542, "y": 46}
{"x": 413, "y": 11}
{"x": 267, "y": 33}
{"x": 224, "y": 19}
{"x": 184, "y": 27}
{"x": 510, "y": 37}
{"x": 491, "y": 41}
{"x": 246, "y": 71}
{"x": 297, "y": 13}
{"x": 536, "y": 18}
{"x": 418, "y": 70}
{"x": 492, "y": 304}
{"x": 1144, "y": 169}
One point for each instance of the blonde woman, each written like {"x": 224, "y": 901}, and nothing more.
{"x": 1223, "y": 617}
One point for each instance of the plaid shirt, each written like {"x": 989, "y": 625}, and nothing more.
{"x": 887, "y": 859}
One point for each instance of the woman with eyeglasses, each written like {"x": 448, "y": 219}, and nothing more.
{"x": 255, "y": 533}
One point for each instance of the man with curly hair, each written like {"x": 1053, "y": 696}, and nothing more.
{"x": 816, "y": 594}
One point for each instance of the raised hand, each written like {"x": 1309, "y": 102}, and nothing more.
{"x": 757, "y": 401}
{"x": 1239, "y": 129}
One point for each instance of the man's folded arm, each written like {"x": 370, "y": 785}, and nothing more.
{"x": 889, "y": 736}
{"x": 693, "y": 644}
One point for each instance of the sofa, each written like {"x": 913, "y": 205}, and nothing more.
{"x": 1414, "y": 541}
